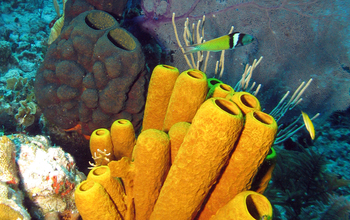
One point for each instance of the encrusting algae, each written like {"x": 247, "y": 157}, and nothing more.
{"x": 183, "y": 167}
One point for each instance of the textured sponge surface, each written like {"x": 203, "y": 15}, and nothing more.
{"x": 93, "y": 74}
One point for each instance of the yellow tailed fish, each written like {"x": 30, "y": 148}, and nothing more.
{"x": 308, "y": 124}
{"x": 227, "y": 42}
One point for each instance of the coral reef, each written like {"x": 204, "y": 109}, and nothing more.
{"x": 43, "y": 182}
{"x": 8, "y": 168}
{"x": 22, "y": 37}
{"x": 304, "y": 39}
{"x": 19, "y": 111}
{"x": 92, "y": 74}
{"x": 26, "y": 113}
{"x": 5, "y": 53}
{"x": 300, "y": 183}
{"x": 48, "y": 176}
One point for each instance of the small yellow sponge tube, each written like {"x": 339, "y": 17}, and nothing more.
{"x": 93, "y": 202}
{"x": 204, "y": 152}
{"x": 220, "y": 90}
{"x": 247, "y": 205}
{"x": 152, "y": 163}
{"x": 113, "y": 186}
{"x": 251, "y": 149}
{"x": 177, "y": 134}
{"x": 160, "y": 88}
{"x": 189, "y": 93}
{"x": 245, "y": 101}
{"x": 123, "y": 138}
{"x": 101, "y": 140}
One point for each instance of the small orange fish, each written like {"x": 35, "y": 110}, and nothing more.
{"x": 78, "y": 129}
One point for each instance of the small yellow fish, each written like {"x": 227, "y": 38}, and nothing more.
{"x": 225, "y": 42}
{"x": 308, "y": 124}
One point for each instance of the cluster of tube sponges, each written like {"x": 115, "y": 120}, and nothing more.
{"x": 197, "y": 156}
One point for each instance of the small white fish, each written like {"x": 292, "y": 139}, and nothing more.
{"x": 309, "y": 125}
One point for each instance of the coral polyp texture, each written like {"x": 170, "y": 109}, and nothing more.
{"x": 8, "y": 172}
{"x": 93, "y": 74}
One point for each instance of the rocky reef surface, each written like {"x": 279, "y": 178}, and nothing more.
{"x": 23, "y": 43}
{"x": 42, "y": 176}
{"x": 36, "y": 178}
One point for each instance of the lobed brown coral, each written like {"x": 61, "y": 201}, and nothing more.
{"x": 93, "y": 74}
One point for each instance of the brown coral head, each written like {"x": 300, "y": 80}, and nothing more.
{"x": 93, "y": 74}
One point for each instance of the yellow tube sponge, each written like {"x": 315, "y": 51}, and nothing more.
{"x": 159, "y": 91}
{"x": 245, "y": 101}
{"x": 152, "y": 163}
{"x": 113, "y": 186}
{"x": 125, "y": 169}
{"x": 177, "y": 134}
{"x": 93, "y": 202}
{"x": 202, "y": 155}
{"x": 123, "y": 138}
{"x": 254, "y": 144}
{"x": 189, "y": 93}
{"x": 101, "y": 146}
{"x": 220, "y": 90}
{"x": 247, "y": 205}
